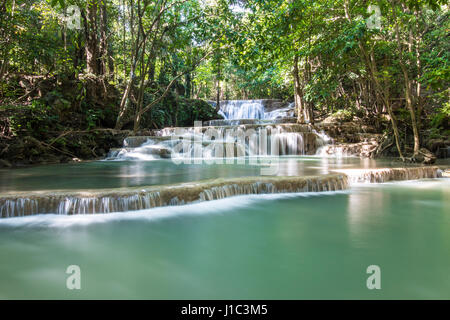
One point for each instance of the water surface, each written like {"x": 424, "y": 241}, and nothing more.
{"x": 116, "y": 174}
{"x": 297, "y": 246}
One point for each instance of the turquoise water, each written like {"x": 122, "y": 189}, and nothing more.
{"x": 298, "y": 246}
{"x": 115, "y": 174}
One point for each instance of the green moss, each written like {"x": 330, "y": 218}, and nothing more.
{"x": 343, "y": 115}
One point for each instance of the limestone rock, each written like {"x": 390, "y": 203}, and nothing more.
{"x": 425, "y": 156}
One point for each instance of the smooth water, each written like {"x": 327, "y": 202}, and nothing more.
{"x": 250, "y": 247}
{"x": 116, "y": 174}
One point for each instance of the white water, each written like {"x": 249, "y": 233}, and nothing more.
{"x": 157, "y": 213}
{"x": 223, "y": 142}
{"x": 286, "y": 112}
{"x": 242, "y": 109}
{"x": 253, "y": 109}
{"x": 241, "y": 140}
{"x": 149, "y": 150}
{"x": 208, "y": 143}
{"x": 172, "y": 195}
{"x": 175, "y": 195}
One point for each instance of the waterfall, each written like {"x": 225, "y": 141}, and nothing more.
{"x": 223, "y": 122}
{"x": 241, "y": 133}
{"x": 122, "y": 200}
{"x": 149, "y": 150}
{"x": 222, "y": 142}
{"x": 239, "y": 110}
{"x": 391, "y": 174}
{"x": 242, "y": 109}
{"x": 287, "y": 112}
{"x": 66, "y": 203}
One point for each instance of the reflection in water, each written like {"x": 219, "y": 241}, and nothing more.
{"x": 364, "y": 208}
{"x": 324, "y": 165}
{"x": 113, "y": 174}
{"x": 365, "y": 163}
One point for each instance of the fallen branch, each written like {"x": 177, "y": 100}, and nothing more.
{"x": 56, "y": 149}
{"x": 65, "y": 133}
{"x": 60, "y": 136}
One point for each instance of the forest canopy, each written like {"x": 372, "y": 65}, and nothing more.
{"x": 136, "y": 64}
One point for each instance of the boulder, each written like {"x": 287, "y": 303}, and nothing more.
{"x": 425, "y": 156}
{"x": 434, "y": 144}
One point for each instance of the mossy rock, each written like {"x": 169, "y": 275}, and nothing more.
{"x": 340, "y": 116}
{"x": 196, "y": 110}
{"x": 178, "y": 111}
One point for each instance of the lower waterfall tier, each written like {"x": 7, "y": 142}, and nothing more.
{"x": 391, "y": 174}
{"x": 130, "y": 199}
{"x": 121, "y": 200}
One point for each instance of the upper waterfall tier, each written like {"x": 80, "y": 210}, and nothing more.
{"x": 255, "y": 109}
{"x": 242, "y": 109}
{"x": 229, "y": 122}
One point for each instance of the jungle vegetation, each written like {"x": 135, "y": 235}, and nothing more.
{"x": 142, "y": 64}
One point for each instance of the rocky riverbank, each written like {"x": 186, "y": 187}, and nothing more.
{"x": 68, "y": 146}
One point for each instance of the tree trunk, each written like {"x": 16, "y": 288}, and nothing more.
{"x": 92, "y": 49}
{"x": 134, "y": 58}
{"x": 218, "y": 88}
{"x": 408, "y": 86}
{"x": 308, "y": 109}
{"x": 188, "y": 86}
{"x": 105, "y": 50}
{"x": 78, "y": 57}
{"x": 218, "y": 95}
{"x": 298, "y": 92}
{"x": 372, "y": 68}
{"x": 6, "y": 33}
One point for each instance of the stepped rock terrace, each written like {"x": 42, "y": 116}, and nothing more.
{"x": 139, "y": 198}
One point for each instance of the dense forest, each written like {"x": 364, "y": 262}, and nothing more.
{"x": 78, "y": 75}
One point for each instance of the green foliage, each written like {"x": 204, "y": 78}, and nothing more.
{"x": 442, "y": 118}
{"x": 342, "y": 115}
{"x": 92, "y": 117}
{"x": 35, "y": 119}
{"x": 252, "y": 50}
{"x": 178, "y": 111}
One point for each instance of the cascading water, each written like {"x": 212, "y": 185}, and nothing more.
{"x": 242, "y": 109}
{"x": 241, "y": 133}
{"x": 122, "y": 200}
{"x": 227, "y": 141}
{"x": 66, "y": 203}
{"x": 149, "y": 150}
{"x": 222, "y": 142}
{"x": 280, "y": 114}
{"x": 221, "y": 138}
{"x": 391, "y": 174}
